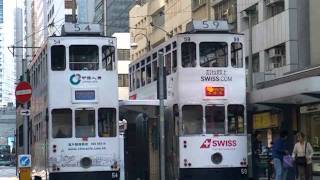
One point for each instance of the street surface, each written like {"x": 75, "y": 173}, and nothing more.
{"x": 8, "y": 173}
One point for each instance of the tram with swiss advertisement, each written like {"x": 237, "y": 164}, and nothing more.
{"x": 205, "y": 89}
{"x": 74, "y": 107}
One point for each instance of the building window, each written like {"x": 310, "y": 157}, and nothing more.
{"x": 158, "y": 18}
{"x": 277, "y": 56}
{"x": 197, "y": 3}
{"x": 124, "y": 54}
{"x": 123, "y": 80}
{"x": 273, "y": 7}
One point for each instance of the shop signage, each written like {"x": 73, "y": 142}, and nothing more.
{"x": 310, "y": 108}
{"x": 265, "y": 120}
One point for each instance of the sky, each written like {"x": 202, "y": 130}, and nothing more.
{"x": 8, "y": 30}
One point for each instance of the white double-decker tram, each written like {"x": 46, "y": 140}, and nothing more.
{"x": 205, "y": 114}
{"x": 74, "y": 107}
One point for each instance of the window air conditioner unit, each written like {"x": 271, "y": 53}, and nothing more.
{"x": 270, "y": 2}
{"x": 243, "y": 14}
{"x": 274, "y": 65}
{"x": 275, "y": 52}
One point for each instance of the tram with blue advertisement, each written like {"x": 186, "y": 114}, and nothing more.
{"x": 205, "y": 89}
{"x": 74, "y": 107}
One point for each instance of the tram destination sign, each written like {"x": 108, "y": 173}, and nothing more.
{"x": 194, "y": 26}
{"x": 23, "y": 92}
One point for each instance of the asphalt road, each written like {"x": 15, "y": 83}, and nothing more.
{"x": 8, "y": 173}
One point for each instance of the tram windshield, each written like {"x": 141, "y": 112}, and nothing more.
{"x": 107, "y": 122}
{"x": 84, "y": 57}
{"x": 62, "y": 123}
{"x": 85, "y": 123}
{"x": 215, "y": 119}
{"x": 235, "y": 118}
{"x": 192, "y": 119}
{"x": 213, "y": 54}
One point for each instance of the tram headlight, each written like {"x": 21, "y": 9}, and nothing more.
{"x": 86, "y": 162}
{"x": 216, "y": 158}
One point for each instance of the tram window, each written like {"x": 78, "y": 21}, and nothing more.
{"x": 58, "y": 58}
{"x": 168, "y": 48}
{"x": 61, "y": 123}
{"x": 235, "y": 119}
{"x": 192, "y": 119}
{"x": 174, "y": 44}
{"x": 133, "y": 81}
{"x": 236, "y": 55}
{"x": 108, "y": 58}
{"x": 168, "y": 64}
{"x": 107, "y": 122}
{"x": 215, "y": 119}
{"x": 154, "y": 71}
{"x": 85, "y": 123}
{"x": 84, "y": 57}
{"x": 143, "y": 76}
{"x": 174, "y": 61}
{"x": 176, "y": 119}
{"x": 148, "y": 78}
{"x": 138, "y": 77}
{"x": 188, "y": 54}
{"x": 213, "y": 54}
{"x": 148, "y": 59}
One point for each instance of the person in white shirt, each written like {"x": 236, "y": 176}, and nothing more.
{"x": 303, "y": 150}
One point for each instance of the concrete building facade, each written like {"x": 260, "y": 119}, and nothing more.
{"x": 155, "y": 21}
{"x": 113, "y": 15}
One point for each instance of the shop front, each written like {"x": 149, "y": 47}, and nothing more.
{"x": 265, "y": 129}
{"x": 310, "y": 125}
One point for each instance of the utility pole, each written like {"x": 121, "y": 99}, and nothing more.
{"x": 74, "y": 19}
{"x": 161, "y": 118}
{"x": 209, "y": 9}
{"x": 250, "y": 71}
{"x": 105, "y": 17}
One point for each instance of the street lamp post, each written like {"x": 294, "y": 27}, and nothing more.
{"x": 161, "y": 117}
{"x": 134, "y": 44}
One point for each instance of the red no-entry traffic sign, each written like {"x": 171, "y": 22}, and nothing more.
{"x": 23, "y": 92}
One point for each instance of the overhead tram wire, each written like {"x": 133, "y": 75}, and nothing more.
{"x": 30, "y": 35}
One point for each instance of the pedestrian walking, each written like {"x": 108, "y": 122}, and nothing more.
{"x": 302, "y": 153}
{"x": 257, "y": 150}
{"x": 278, "y": 151}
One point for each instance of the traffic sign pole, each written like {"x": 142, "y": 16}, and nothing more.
{"x": 24, "y": 164}
{"x": 23, "y": 95}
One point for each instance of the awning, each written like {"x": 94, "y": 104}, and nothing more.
{"x": 301, "y": 91}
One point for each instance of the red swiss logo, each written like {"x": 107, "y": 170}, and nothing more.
{"x": 218, "y": 143}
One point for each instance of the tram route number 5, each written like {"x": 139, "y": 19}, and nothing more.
{"x": 78, "y": 28}
{"x": 114, "y": 175}
{"x": 244, "y": 171}
{"x": 210, "y": 24}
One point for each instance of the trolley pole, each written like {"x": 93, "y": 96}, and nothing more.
{"x": 161, "y": 119}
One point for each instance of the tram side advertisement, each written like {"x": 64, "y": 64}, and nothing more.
{"x": 213, "y": 151}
